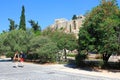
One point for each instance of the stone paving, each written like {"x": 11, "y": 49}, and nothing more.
{"x": 44, "y": 72}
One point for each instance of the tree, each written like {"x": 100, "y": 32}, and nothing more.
{"x": 74, "y": 17}
{"x": 3, "y": 48}
{"x": 67, "y": 42}
{"x": 48, "y": 52}
{"x": 98, "y": 33}
{"x": 15, "y": 40}
{"x": 12, "y": 25}
{"x": 22, "y": 24}
{"x": 37, "y": 42}
{"x": 35, "y": 27}
{"x": 64, "y": 41}
{"x": 44, "y": 48}
{"x": 47, "y": 31}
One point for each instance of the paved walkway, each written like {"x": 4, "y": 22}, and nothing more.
{"x": 50, "y": 72}
{"x": 102, "y": 73}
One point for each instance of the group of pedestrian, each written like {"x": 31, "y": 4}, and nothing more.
{"x": 18, "y": 59}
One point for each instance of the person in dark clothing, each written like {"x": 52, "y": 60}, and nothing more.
{"x": 16, "y": 58}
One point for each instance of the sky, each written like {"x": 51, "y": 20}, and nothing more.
{"x": 43, "y": 11}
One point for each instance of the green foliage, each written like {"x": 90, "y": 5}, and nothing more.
{"x": 47, "y": 32}
{"x": 32, "y": 56}
{"x": 35, "y": 27}
{"x": 3, "y": 36}
{"x": 71, "y": 55}
{"x": 74, "y": 17}
{"x": 15, "y": 40}
{"x": 10, "y": 55}
{"x": 12, "y": 25}
{"x": 80, "y": 57}
{"x": 38, "y": 42}
{"x": 48, "y": 52}
{"x": 22, "y": 24}
{"x": 98, "y": 32}
{"x": 101, "y": 64}
{"x": 45, "y": 48}
{"x": 64, "y": 41}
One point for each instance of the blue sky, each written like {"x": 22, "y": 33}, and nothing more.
{"x": 43, "y": 11}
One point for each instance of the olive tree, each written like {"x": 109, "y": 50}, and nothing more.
{"x": 15, "y": 40}
{"x": 44, "y": 48}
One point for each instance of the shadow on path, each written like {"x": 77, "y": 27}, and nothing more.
{"x": 71, "y": 64}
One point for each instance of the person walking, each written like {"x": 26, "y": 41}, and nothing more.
{"x": 16, "y": 59}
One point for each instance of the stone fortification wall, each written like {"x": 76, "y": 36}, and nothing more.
{"x": 71, "y": 26}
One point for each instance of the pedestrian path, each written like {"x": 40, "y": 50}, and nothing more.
{"x": 102, "y": 73}
{"x": 32, "y": 71}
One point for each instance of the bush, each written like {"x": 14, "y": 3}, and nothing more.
{"x": 101, "y": 64}
{"x": 80, "y": 59}
{"x": 48, "y": 52}
{"x": 71, "y": 55}
{"x": 10, "y": 55}
{"x": 32, "y": 56}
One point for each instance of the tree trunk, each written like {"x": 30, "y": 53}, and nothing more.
{"x": 65, "y": 54}
{"x": 106, "y": 57}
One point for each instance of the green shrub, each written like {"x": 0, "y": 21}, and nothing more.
{"x": 10, "y": 55}
{"x": 32, "y": 56}
{"x": 101, "y": 64}
{"x": 47, "y": 53}
{"x": 80, "y": 59}
{"x": 29, "y": 56}
{"x": 71, "y": 55}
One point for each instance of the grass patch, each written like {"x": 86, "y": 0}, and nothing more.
{"x": 71, "y": 55}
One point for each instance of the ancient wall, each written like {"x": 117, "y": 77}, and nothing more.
{"x": 71, "y": 26}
